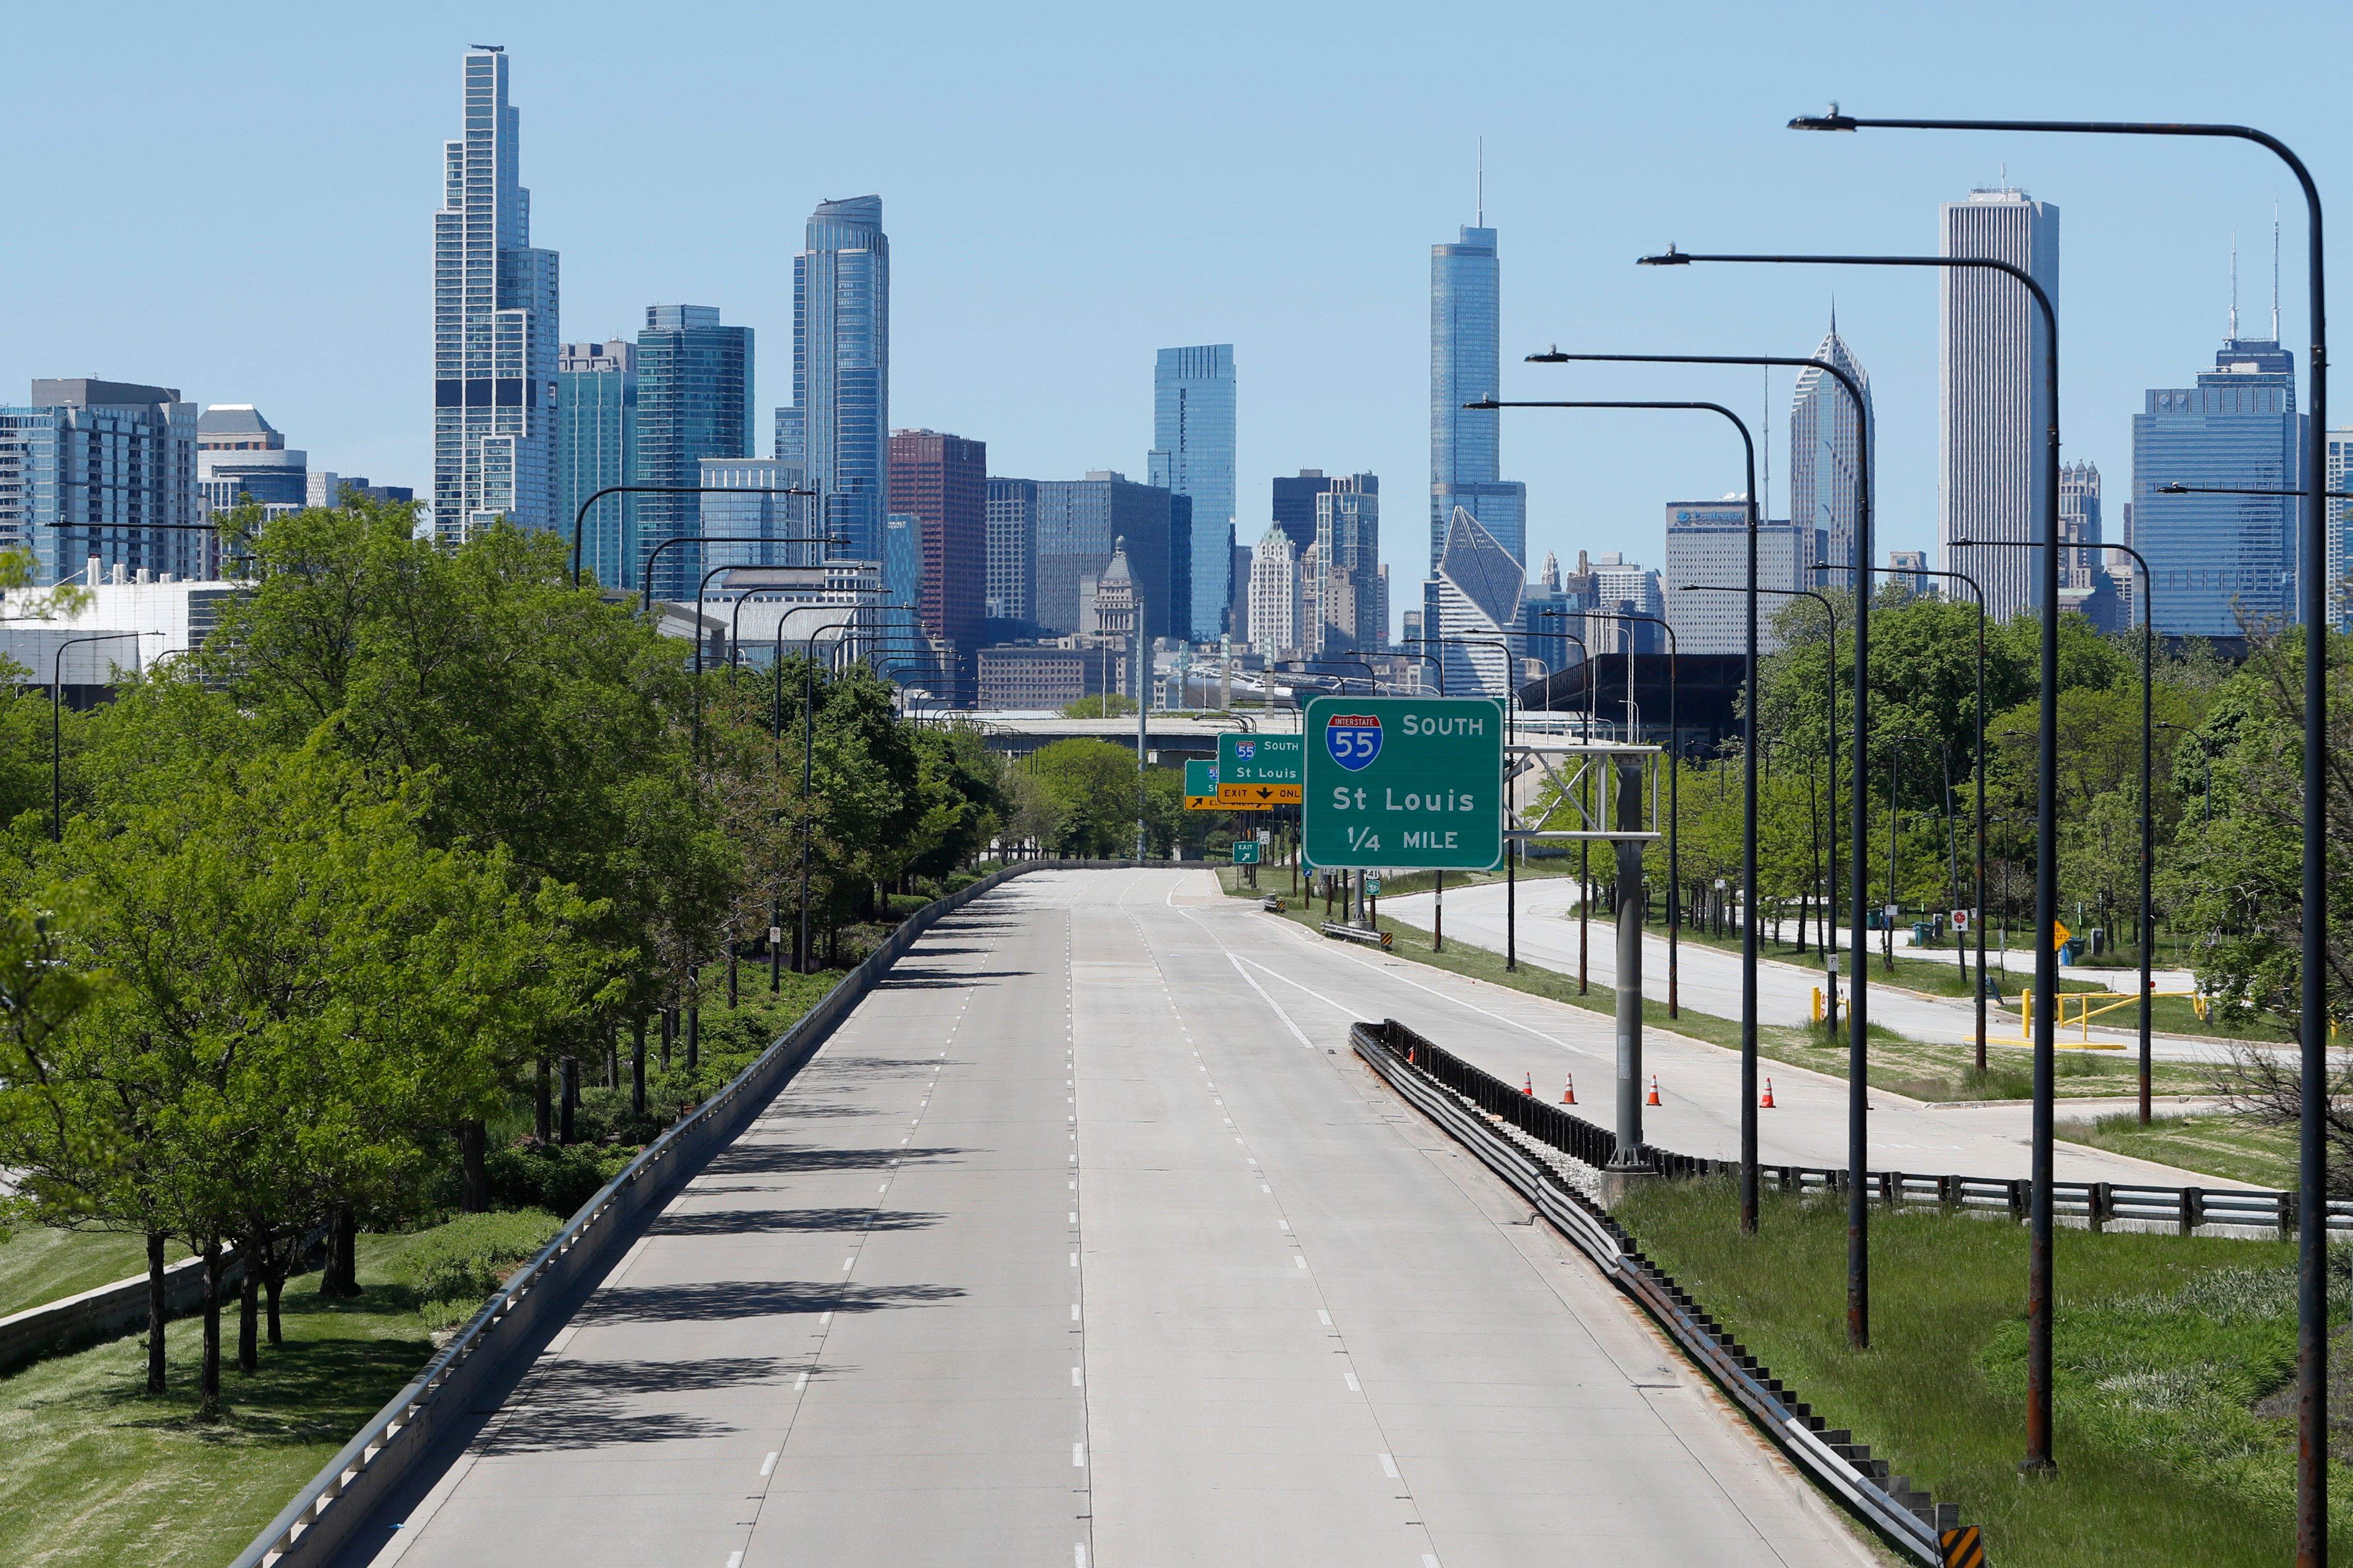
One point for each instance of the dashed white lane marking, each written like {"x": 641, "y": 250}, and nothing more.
{"x": 1079, "y": 1456}
{"x": 800, "y": 1383}
{"x": 1075, "y": 1382}
{"x": 1388, "y": 1468}
{"x": 847, "y": 1264}
{"x": 736, "y": 1560}
{"x": 1074, "y": 1312}
{"x": 1074, "y": 1216}
{"x": 1264, "y": 1188}
{"x": 1300, "y": 1262}
{"x": 768, "y": 1465}
{"x": 1429, "y": 1560}
{"x": 883, "y": 1188}
{"x": 1350, "y": 1379}
{"x": 1081, "y": 1559}
{"x": 823, "y": 1319}
{"x": 1323, "y": 1317}
{"x": 1283, "y": 1224}
{"x": 1074, "y": 1260}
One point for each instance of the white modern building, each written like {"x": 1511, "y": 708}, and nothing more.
{"x": 495, "y": 330}
{"x": 1707, "y": 541}
{"x": 1991, "y": 413}
{"x": 1274, "y": 595}
{"x": 1828, "y": 440}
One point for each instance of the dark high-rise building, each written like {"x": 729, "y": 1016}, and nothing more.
{"x": 693, "y": 377}
{"x": 1465, "y": 365}
{"x": 1295, "y": 506}
{"x": 596, "y": 446}
{"x": 1012, "y": 519}
{"x": 943, "y": 480}
{"x": 837, "y": 426}
{"x": 1193, "y": 455}
{"x": 1080, "y": 524}
{"x": 2220, "y": 565}
{"x": 86, "y": 470}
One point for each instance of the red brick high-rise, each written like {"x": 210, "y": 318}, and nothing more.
{"x": 944, "y": 480}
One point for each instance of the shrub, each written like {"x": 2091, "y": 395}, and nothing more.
{"x": 551, "y": 1176}
{"x": 459, "y": 1266}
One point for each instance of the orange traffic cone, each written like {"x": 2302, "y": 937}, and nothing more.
{"x": 1654, "y": 1091}
{"x": 1767, "y": 1103}
{"x": 1568, "y": 1090}
{"x": 1528, "y": 1084}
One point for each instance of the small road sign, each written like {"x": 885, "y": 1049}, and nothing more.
{"x": 1406, "y": 782}
{"x": 1962, "y": 1548}
{"x": 1245, "y": 851}
{"x": 1200, "y": 785}
{"x": 1960, "y": 920}
{"x": 1258, "y": 771}
{"x": 2060, "y": 935}
{"x": 1266, "y": 836}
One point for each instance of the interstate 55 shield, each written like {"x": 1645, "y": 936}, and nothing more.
{"x": 1412, "y": 783}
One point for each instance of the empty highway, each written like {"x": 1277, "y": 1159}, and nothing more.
{"x": 1085, "y": 1240}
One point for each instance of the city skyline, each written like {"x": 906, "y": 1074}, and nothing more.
{"x": 1355, "y": 340}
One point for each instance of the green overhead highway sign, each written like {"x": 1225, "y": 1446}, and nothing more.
{"x": 1410, "y": 783}
{"x": 1258, "y": 771}
{"x": 1200, "y": 785}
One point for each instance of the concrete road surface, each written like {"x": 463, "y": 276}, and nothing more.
{"x": 1709, "y": 978}
{"x": 1086, "y": 1241}
{"x": 1528, "y": 1040}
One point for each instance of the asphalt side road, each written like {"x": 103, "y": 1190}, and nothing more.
{"x": 1086, "y": 1240}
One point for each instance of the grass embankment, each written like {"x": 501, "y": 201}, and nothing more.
{"x": 99, "y": 1473}
{"x": 1910, "y": 1067}
{"x": 2165, "y": 1347}
{"x": 38, "y": 1265}
{"x": 2237, "y": 1148}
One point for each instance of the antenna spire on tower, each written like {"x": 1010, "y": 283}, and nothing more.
{"x": 1482, "y": 222}
{"x": 2235, "y": 288}
{"x": 2275, "y": 272}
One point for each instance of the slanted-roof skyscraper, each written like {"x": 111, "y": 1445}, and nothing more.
{"x": 494, "y": 326}
{"x": 837, "y": 425}
{"x": 1475, "y": 592}
{"x": 1826, "y": 450}
{"x": 1193, "y": 455}
{"x": 1465, "y": 352}
{"x": 1991, "y": 410}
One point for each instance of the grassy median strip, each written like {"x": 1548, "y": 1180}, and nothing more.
{"x": 97, "y": 1473}
{"x": 1918, "y": 1069}
{"x": 2170, "y": 1352}
{"x": 2237, "y": 1148}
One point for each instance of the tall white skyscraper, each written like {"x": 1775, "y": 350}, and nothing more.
{"x": 494, "y": 326}
{"x": 1274, "y": 595}
{"x": 1991, "y": 409}
{"x": 1826, "y": 452}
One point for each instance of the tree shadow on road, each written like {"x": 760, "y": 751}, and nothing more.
{"x": 792, "y": 1222}
{"x": 573, "y": 1404}
{"x": 724, "y": 1299}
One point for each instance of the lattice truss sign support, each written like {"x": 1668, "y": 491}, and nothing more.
{"x": 1560, "y": 814}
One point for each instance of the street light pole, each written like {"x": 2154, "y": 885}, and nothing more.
{"x": 56, "y": 729}
{"x": 580, "y": 519}
{"x": 2312, "y": 1285}
{"x": 1858, "y": 1103}
{"x": 1979, "y": 590}
{"x": 1674, "y": 818}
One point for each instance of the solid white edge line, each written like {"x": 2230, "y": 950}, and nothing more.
{"x": 1296, "y": 1033}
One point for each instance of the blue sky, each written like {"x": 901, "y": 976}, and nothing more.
{"x": 241, "y": 208}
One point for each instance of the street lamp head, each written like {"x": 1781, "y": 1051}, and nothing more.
{"x": 1670, "y": 257}
{"x": 1834, "y": 121}
{"x": 2176, "y": 488}
{"x": 1488, "y": 402}
{"x": 1551, "y": 356}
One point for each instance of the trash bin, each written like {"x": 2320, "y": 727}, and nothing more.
{"x": 1919, "y": 933}
{"x": 2071, "y": 951}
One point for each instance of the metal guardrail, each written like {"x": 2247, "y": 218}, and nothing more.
{"x": 336, "y": 1504}
{"x": 1909, "y": 1518}
{"x": 2098, "y": 1203}
{"x": 1358, "y": 933}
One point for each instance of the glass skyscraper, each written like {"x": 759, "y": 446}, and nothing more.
{"x": 1193, "y": 455}
{"x": 86, "y": 464}
{"x": 695, "y": 381}
{"x": 839, "y": 424}
{"x": 2221, "y": 563}
{"x": 494, "y": 326}
{"x": 1826, "y": 437}
{"x": 596, "y": 446}
{"x": 1465, "y": 354}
